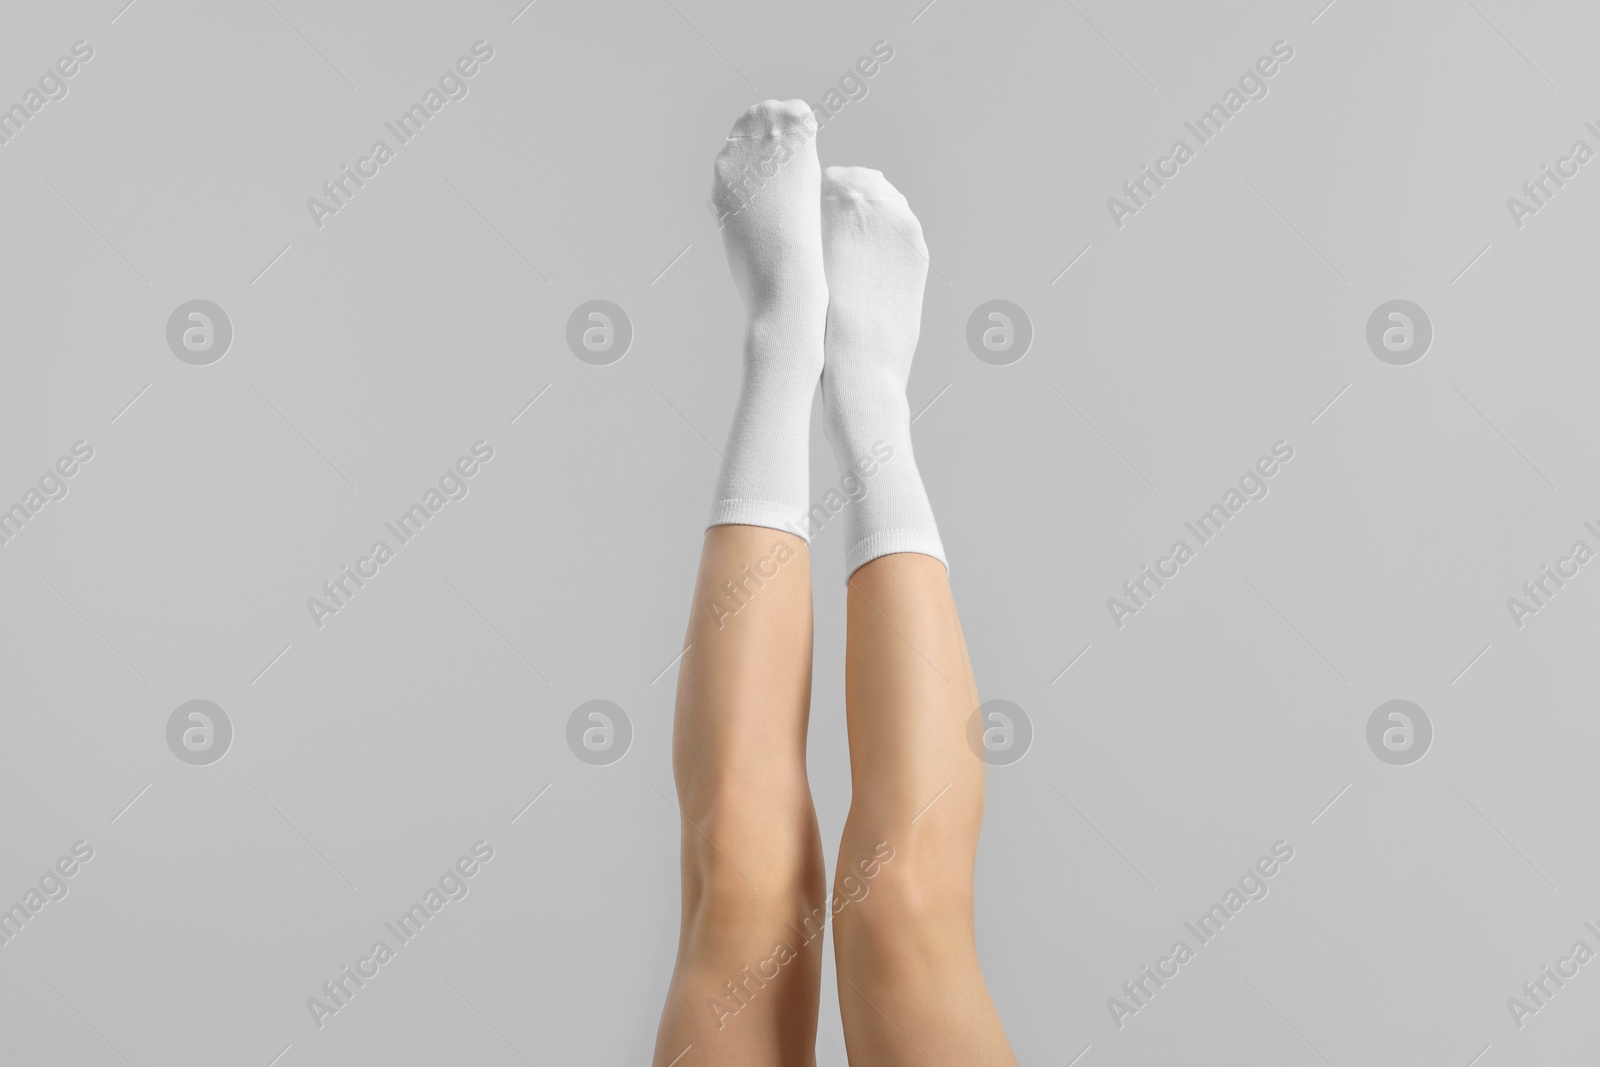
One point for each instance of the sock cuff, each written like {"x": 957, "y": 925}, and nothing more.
{"x": 736, "y": 511}
{"x": 887, "y": 542}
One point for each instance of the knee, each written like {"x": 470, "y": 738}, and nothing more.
{"x": 903, "y": 902}
{"x": 750, "y": 864}
{"x": 722, "y": 898}
{"x": 900, "y": 909}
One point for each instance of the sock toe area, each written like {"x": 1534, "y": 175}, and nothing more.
{"x": 772, "y": 119}
{"x": 857, "y": 183}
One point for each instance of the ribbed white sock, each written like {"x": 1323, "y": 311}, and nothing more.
{"x": 876, "y": 265}
{"x": 767, "y": 196}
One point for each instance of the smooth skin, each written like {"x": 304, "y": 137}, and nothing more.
{"x": 910, "y": 988}
{"x": 752, "y": 858}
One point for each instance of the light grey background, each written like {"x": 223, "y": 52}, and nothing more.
{"x": 368, "y": 355}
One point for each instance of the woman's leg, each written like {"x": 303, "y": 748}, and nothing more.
{"x": 746, "y": 984}
{"x": 745, "y": 988}
{"x": 910, "y": 989}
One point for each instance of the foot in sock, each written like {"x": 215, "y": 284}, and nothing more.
{"x": 876, "y": 264}
{"x": 767, "y": 197}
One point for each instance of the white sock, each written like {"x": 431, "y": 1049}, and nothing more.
{"x": 876, "y": 266}
{"x": 767, "y": 196}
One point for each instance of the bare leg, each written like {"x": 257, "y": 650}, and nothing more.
{"x": 910, "y": 989}
{"x": 753, "y": 871}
